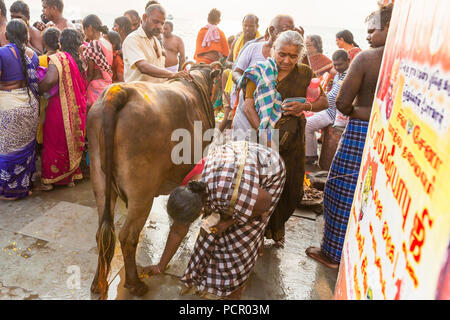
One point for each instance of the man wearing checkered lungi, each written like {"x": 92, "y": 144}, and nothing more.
{"x": 359, "y": 86}
{"x": 239, "y": 189}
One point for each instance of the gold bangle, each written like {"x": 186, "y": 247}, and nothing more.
{"x": 311, "y": 107}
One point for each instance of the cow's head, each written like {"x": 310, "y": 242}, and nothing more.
{"x": 211, "y": 74}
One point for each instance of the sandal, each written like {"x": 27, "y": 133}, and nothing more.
{"x": 318, "y": 255}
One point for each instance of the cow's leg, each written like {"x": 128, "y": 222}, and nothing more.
{"x": 138, "y": 212}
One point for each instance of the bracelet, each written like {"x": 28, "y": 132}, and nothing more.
{"x": 311, "y": 107}
{"x": 159, "y": 270}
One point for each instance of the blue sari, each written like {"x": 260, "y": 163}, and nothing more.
{"x": 19, "y": 118}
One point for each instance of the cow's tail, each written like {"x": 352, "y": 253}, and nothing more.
{"x": 113, "y": 101}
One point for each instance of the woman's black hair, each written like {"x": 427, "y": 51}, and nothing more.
{"x": 17, "y": 33}
{"x": 347, "y": 36}
{"x": 115, "y": 40}
{"x": 185, "y": 203}
{"x": 96, "y": 23}
{"x": 317, "y": 42}
{"x": 71, "y": 41}
{"x": 51, "y": 38}
{"x": 125, "y": 24}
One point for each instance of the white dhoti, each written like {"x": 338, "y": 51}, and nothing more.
{"x": 173, "y": 69}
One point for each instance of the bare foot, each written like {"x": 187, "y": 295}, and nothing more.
{"x": 43, "y": 187}
{"x": 261, "y": 251}
{"x": 71, "y": 185}
{"x": 318, "y": 255}
{"x": 8, "y": 199}
{"x": 280, "y": 243}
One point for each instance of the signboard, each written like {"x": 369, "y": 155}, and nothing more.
{"x": 399, "y": 229}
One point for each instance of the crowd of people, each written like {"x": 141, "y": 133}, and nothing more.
{"x": 52, "y": 73}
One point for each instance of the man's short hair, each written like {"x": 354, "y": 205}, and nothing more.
{"x": 169, "y": 23}
{"x": 133, "y": 13}
{"x": 59, "y": 4}
{"x": 154, "y": 7}
{"x": 3, "y": 8}
{"x": 276, "y": 21}
{"x": 20, "y": 7}
{"x": 384, "y": 14}
{"x": 340, "y": 55}
{"x": 251, "y": 16}
{"x": 214, "y": 16}
{"x": 151, "y": 2}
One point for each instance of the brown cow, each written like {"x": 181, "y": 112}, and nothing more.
{"x": 129, "y": 131}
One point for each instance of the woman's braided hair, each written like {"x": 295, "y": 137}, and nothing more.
{"x": 71, "y": 41}
{"x": 17, "y": 33}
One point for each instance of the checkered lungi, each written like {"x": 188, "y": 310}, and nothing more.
{"x": 221, "y": 265}
{"x": 340, "y": 188}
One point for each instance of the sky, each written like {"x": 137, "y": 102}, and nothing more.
{"x": 325, "y": 17}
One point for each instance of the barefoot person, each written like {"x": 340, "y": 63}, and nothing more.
{"x": 239, "y": 189}
{"x": 265, "y": 87}
{"x": 19, "y": 112}
{"x": 142, "y": 52}
{"x": 53, "y": 11}
{"x": 355, "y": 100}
{"x": 174, "y": 47}
{"x": 65, "y": 117}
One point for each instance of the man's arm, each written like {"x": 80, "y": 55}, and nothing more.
{"x": 153, "y": 71}
{"x": 251, "y": 114}
{"x": 182, "y": 52}
{"x": 351, "y": 86}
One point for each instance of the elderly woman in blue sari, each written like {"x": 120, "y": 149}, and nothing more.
{"x": 266, "y": 86}
{"x": 19, "y": 113}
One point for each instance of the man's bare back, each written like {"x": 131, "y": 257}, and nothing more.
{"x": 3, "y": 40}
{"x": 358, "y": 90}
{"x": 174, "y": 47}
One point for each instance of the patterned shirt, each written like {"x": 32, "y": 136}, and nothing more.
{"x": 332, "y": 95}
{"x": 221, "y": 265}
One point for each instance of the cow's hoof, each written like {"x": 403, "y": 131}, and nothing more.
{"x": 137, "y": 290}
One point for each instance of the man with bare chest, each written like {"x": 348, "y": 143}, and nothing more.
{"x": 20, "y": 10}
{"x": 354, "y": 100}
{"x": 3, "y": 22}
{"x": 174, "y": 48}
{"x": 53, "y": 11}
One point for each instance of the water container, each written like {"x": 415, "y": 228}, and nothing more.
{"x": 313, "y": 91}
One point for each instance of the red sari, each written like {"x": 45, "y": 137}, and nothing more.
{"x": 64, "y": 127}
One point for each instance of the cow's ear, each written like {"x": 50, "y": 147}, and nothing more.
{"x": 215, "y": 74}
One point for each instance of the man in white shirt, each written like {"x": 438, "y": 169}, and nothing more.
{"x": 142, "y": 52}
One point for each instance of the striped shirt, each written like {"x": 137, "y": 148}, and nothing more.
{"x": 332, "y": 95}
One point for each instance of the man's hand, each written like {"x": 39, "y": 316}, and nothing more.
{"x": 40, "y": 25}
{"x": 296, "y": 109}
{"x": 183, "y": 75}
{"x": 300, "y": 30}
{"x": 151, "y": 270}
